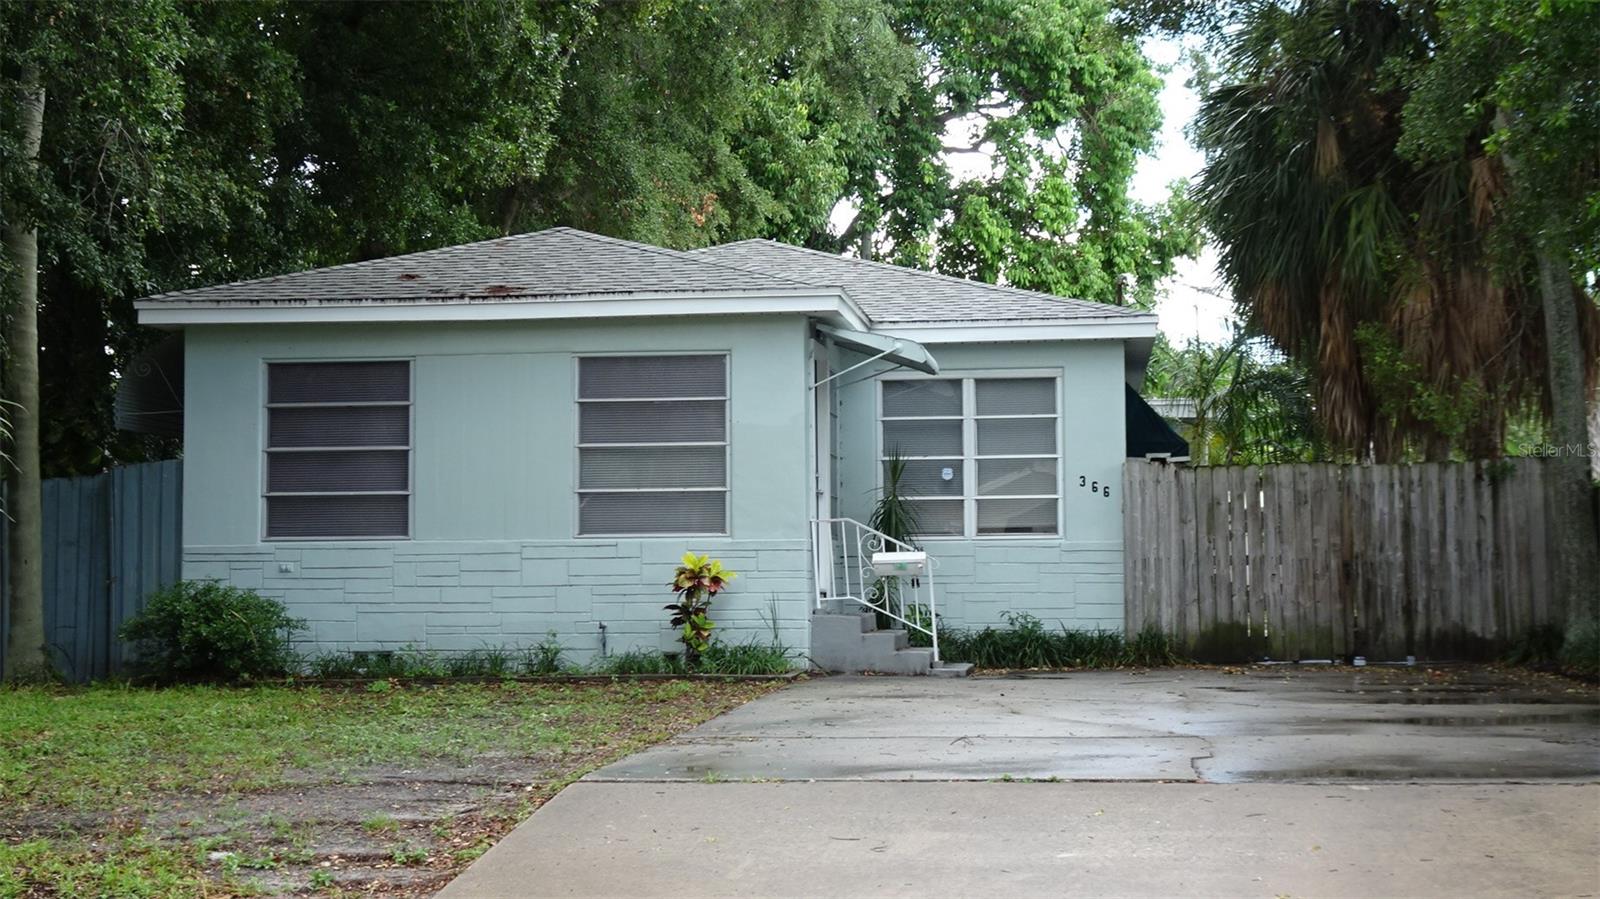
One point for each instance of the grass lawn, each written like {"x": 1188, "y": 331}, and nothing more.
{"x": 114, "y": 791}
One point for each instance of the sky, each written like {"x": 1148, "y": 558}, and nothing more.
{"x": 1194, "y": 304}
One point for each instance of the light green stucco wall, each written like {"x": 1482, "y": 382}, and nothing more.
{"x": 493, "y": 559}
{"x": 1074, "y": 578}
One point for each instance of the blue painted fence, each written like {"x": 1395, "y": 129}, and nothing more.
{"x": 110, "y": 540}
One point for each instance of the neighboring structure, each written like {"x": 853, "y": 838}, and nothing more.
{"x": 481, "y": 444}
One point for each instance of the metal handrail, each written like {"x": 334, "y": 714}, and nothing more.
{"x": 844, "y": 572}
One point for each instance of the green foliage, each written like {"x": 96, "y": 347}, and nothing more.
{"x": 206, "y": 631}
{"x": 410, "y": 662}
{"x": 134, "y": 769}
{"x": 747, "y": 658}
{"x": 194, "y": 143}
{"x": 1403, "y": 390}
{"x": 893, "y": 514}
{"x": 751, "y": 658}
{"x": 1063, "y": 102}
{"x": 639, "y": 661}
{"x": 1150, "y": 648}
{"x": 697, "y": 580}
{"x": 686, "y": 124}
{"x": 896, "y": 516}
{"x": 1357, "y": 184}
{"x": 1533, "y": 62}
{"x": 139, "y": 866}
{"x": 545, "y": 658}
{"x": 1026, "y": 643}
{"x": 1251, "y": 405}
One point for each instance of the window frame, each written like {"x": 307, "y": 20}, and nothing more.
{"x": 969, "y": 444}
{"x": 578, "y": 490}
{"x": 264, "y": 409}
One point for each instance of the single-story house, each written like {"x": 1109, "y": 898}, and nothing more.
{"x": 482, "y": 444}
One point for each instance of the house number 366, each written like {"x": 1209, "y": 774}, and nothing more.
{"x": 1094, "y": 486}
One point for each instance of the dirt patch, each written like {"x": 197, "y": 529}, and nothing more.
{"x": 400, "y": 829}
{"x": 392, "y": 830}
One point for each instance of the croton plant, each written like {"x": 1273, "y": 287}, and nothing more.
{"x": 697, "y": 580}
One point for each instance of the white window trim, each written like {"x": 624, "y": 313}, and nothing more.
{"x": 264, "y": 423}
{"x": 726, "y": 443}
{"x": 969, "y": 458}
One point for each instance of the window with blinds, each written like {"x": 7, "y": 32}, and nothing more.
{"x": 652, "y": 445}
{"x": 338, "y": 450}
{"x": 981, "y": 454}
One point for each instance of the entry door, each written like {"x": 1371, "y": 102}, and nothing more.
{"x": 822, "y": 487}
{"x": 822, "y": 474}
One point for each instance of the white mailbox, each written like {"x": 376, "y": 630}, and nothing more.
{"x": 900, "y": 564}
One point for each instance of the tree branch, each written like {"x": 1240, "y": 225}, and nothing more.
{"x": 985, "y": 110}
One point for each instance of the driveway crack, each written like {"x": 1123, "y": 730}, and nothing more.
{"x": 1195, "y": 760}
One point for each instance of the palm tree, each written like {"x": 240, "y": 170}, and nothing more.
{"x": 1370, "y": 270}
{"x": 1250, "y": 405}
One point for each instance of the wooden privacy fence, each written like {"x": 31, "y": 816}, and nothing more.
{"x": 109, "y": 541}
{"x": 1436, "y": 561}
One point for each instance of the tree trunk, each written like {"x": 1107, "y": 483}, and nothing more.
{"x": 1572, "y": 510}
{"x": 1577, "y": 536}
{"x": 26, "y": 654}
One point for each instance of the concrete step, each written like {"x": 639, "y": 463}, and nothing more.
{"x": 951, "y": 669}
{"x": 845, "y": 608}
{"x": 904, "y": 661}
{"x": 886, "y": 641}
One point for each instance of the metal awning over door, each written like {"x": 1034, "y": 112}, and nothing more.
{"x": 880, "y": 348}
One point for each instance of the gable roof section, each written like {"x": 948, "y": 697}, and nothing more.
{"x": 558, "y": 262}
{"x": 564, "y": 273}
{"x": 893, "y": 294}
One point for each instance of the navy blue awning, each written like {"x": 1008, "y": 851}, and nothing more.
{"x": 1148, "y": 433}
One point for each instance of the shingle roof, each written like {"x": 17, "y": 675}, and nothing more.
{"x": 564, "y": 262}
{"x": 552, "y": 263}
{"x": 892, "y": 293}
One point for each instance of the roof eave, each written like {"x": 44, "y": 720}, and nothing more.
{"x": 830, "y": 304}
{"x": 1117, "y": 327}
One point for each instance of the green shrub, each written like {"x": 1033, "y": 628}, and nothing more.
{"x": 1026, "y": 643}
{"x": 717, "y": 658}
{"x": 412, "y": 662}
{"x": 639, "y": 661}
{"x": 1152, "y": 649}
{"x": 545, "y": 658}
{"x": 206, "y": 631}
{"x": 746, "y": 658}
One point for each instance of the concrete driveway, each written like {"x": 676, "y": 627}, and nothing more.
{"x": 1264, "y": 782}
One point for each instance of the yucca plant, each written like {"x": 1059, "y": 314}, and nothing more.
{"x": 697, "y": 580}
{"x": 895, "y": 516}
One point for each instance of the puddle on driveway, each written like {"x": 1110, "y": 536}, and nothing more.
{"x": 1452, "y": 698}
{"x": 1578, "y": 716}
